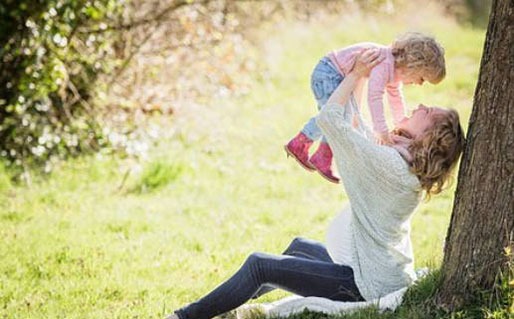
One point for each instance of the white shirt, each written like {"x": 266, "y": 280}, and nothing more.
{"x": 339, "y": 237}
{"x": 374, "y": 239}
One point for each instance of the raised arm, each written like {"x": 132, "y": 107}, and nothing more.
{"x": 359, "y": 159}
{"x": 364, "y": 62}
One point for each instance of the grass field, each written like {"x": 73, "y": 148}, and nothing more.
{"x": 83, "y": 243}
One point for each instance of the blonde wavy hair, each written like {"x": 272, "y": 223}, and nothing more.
{"x": 435, "y": 153}
{"x": 420, "y": 54}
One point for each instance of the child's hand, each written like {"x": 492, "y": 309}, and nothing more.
{"x": 383, "y": 138}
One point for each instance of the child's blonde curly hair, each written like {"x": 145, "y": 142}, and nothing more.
{"x": 420, "y": 53}
{"x": 437, "y": 151}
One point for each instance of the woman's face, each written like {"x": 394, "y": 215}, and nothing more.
{"x": 422, "y": 118}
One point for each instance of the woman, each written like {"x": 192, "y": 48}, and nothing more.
{"x": 368, "y": 253}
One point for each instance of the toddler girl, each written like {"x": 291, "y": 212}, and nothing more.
{"x": 413, "y": 58}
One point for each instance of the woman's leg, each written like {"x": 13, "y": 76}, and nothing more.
{"x": 303, "y": 248}
{"x": 297, "y": 275}
{"x": 309, "y": 249}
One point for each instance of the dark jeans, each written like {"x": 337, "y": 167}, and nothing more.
{"x": 305, "y": 269}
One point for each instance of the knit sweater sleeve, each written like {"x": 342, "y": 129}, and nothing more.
{"x": 365, "y": 167}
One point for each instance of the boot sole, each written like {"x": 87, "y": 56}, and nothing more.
{"x": 334, "y": 181}
{"x": 304, "y": 165}
{"x": 328, "y": 178}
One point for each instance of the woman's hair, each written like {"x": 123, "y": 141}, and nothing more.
{"x": 419, "y": 53}
{"x": 435, "y": 153}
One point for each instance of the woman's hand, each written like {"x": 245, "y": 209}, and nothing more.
{"x": 365, "y": 61}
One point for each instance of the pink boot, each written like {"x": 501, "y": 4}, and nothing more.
{"x": 298, "y": 148}
{"x": 322, "y": 162}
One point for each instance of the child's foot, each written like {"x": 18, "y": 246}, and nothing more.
{"x": 322, "y": 162}
{"x": 298, "y": 148}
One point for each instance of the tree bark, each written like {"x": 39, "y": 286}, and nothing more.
{"x": 482, "y": 223}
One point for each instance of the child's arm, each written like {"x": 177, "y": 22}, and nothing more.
{"x": 376, "y": 89}
{"x": 396, "y": 102}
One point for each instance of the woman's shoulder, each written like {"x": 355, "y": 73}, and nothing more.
{"x": 400, "y": 169}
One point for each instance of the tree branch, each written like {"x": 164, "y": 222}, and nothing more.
{"x": 158, "y": 17}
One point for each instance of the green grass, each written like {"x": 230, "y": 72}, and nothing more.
{"x": 102, "y": 239}
{"x": 156, "y": 175}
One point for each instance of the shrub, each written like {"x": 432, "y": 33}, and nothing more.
{"x": 51, "y": 54}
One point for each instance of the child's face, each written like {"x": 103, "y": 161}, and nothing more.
{"x": 409, "y": 76}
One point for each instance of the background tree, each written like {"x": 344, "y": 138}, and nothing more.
{"x": 479, "y": 241}
{"x": 50, "y": 64}
{"x": 79, "y": 76}
{"x": 474, "y": 12}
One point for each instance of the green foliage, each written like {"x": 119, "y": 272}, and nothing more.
{"x": 52, "y": 52}
{"x": 474, "y": 12}
{"x": 5, "y": 179}
{"x": 156, "y": 175}
{"x": 500, "y": 303}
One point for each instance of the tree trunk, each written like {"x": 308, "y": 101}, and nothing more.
{"x": 482, "y": 223}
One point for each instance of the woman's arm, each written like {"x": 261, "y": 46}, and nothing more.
{"x": 342, "y": 93}
{"x": 358, "y": 92}
{"x": 364, "y": 62}
{"x": 360, "y": 160}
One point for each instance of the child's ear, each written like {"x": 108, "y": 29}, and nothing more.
{"x": 398, "y": 51}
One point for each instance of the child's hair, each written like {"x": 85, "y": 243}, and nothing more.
{"x": 420, "y": 53}
{"x": 437, "y": 151}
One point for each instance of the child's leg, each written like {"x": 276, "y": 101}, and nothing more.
{"x": 298, "y": 148}
{"x": 303, "y": 248}
{"x": 324, "y": 80}
{"x": 321, "y": 160}
{"x": 297, "y": 275}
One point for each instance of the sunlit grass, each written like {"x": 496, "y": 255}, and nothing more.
{"x": 156, "y": 175}
{"x": 100, "y": 239}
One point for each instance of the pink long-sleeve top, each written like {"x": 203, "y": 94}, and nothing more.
{"x": 382, "y": 79}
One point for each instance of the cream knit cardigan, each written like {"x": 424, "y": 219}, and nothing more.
{"x": 383, "y": 194}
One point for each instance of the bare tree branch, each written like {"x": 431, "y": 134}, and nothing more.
{"x": 148, "y": 20}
